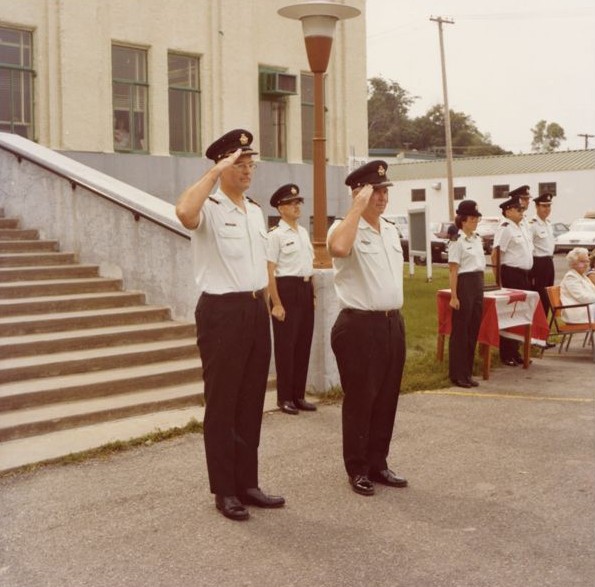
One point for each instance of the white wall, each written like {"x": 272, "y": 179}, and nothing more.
{"x": 575, "y": 193}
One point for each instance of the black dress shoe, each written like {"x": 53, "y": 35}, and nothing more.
{"x": 461, "y": 383}
{"x": 550, "y": 345}
{"x": 288, "y": 408}
{"x": 520, "y": 361}
{"x": 361, "y": 484}
{"x": 302, "y": 404}
{"x": 255, "y": 496}
{"x": 509, "y": 362}
{"x": 473, "y": 382}
{"x": 387, "y": 477}
{"x": 231, "y": 507}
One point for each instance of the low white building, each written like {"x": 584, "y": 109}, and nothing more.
{"x": 570, "y": 175}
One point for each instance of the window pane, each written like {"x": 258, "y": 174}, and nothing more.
{"x": 418, "y": 195}
{"x": 15, "y": 47}
{"x": 272, "y": 129}
{"x": 184, "y": 103}
{"x": 500, "y": 191}
{"x": 129, "y": 64}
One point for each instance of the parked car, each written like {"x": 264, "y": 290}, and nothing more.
{"x": 559, "y": 228}
{"x": 580, "y": 234}
{"x": 486, "y": 228}
{"x": 439, "y": 242}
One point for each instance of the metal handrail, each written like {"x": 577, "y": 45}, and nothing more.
{"x": 77, "y": 182}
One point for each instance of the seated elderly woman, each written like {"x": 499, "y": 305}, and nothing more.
{"x": 577, "y": 288}
{"x": 591, "y": 271}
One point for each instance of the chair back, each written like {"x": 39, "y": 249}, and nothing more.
{"x": 553, "y": 294}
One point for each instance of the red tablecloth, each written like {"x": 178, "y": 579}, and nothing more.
{"x": 505, "y": 312}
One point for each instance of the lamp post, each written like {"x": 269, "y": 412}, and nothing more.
{"x": 318, "y": 22}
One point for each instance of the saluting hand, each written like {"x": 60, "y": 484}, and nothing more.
{"x": 228, "y": 161}
{"x": 362, "y": 197}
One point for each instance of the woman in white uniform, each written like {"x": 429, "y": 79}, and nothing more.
{"x": 466, "y": 263}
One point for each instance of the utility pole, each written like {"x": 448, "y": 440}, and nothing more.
{"x": 451, "y": 190}
{"x": 587, "y": 137}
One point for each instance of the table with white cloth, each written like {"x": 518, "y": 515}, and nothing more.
{"x": 511, "y": 313}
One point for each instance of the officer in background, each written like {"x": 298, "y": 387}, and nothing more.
{"x": 290, "y": 258}
{"x": 524, "y": 195}
{"x": 514, "y": 246}
{"x": 368, "y": 337}
{"x": 232, "y": 320}
{"x": 542, "y": 233}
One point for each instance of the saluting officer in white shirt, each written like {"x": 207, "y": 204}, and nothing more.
{"x": 466, "y": 263}
{"x": 232, "y": 320}
{"x": 368, "y": 337}
{"x": 290, "y": 258}
{"x": 542, "y": 233}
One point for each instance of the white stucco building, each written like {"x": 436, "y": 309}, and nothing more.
{"x": 570, "y": 175}
{"x": 139, "y": 88}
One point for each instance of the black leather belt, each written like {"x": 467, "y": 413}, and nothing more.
{"x": 383, "y": 313}
{"x": 296, "y": 278}
{"x": 238, "y": 295}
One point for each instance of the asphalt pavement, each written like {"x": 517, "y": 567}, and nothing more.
{"x": 501, "y": 494}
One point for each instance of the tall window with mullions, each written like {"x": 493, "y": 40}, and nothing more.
{"x": 16, "y": 82}
{"x": 184, "y": 104}
{"x": 130, "y": 97}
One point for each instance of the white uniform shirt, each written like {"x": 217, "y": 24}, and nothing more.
{"x": 290, "y": 250}
{"x": 516, "y": 246}
{"x": 229, "y": 247}
{"x": 371, "y": 277}
{"x": 542, "y": 234}
{"x": 467, "y": 252}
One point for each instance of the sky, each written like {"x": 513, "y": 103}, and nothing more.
{"x": 509, "y": 63}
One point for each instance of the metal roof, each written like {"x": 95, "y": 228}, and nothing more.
{"x": 496, "y": 165}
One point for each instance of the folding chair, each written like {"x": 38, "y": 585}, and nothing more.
{"x": 568, "y": 330}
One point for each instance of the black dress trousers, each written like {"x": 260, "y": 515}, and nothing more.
{"x": 516, "y": 279}
{"x": 370, "y": 352}
{"x": 465, "y": 325}
{"x": 235, "y": 347}
{"x": 293, "y": 337}
{"x": 542, "y": 276}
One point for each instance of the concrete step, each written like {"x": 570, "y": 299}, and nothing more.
{"x": 76, "y": 271}
{"x": 110, "y": 382}
{"x": 23, "y": 289}
{"x": 70, "y": 303}
{"x": 36, "y": 259}
{"x": 87, "y": 361}
{"x": 9, "y": 222}
{"x": 50, "y": 418}
{"x": 44, "y": 447}
{"x": 57, "y": 342}
{"x": 21, "y": 325}
{"x": 21, "y": 246}
{"x": 8, "y": 234}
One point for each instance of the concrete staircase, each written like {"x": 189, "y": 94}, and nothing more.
{"x": 82, "y": 362}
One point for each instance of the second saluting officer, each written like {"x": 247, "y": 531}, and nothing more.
{"x": 290, "y": 264}
{"x": 368, "y": 337}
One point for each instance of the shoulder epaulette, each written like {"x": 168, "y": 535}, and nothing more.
{"x": 214, "y": 200}
{"x": 273, "y": 228}
{"x": 533, "y": 220}
{"x": 505, "y": 223}
{"x": 389, "y": 221}
{"x": 252, "y": 201}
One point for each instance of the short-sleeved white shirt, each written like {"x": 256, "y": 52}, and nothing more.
{"x": 290, "y": 250}
{"x": 371, "y": 276}
{"x": 467, "y": 252}
{"x": 516, "y": 246}
{"x": 229, "y": 247}
{"x": 542, "y": 234}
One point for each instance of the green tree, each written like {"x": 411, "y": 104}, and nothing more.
{"x": 467, "y": 139}
{"x": 389, "y": 124}
{"x": 547, "y": 137}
